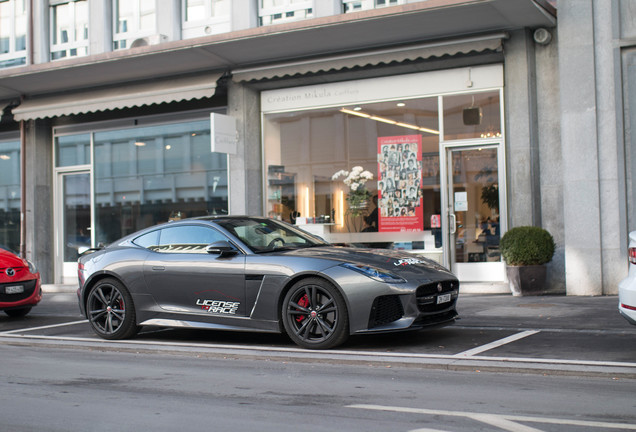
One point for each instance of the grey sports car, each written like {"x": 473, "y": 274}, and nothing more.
{"x": 259, "y": 274}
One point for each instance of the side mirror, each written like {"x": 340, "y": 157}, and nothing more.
{"x": 221, "y": 248}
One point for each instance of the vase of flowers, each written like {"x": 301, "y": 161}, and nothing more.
{"x": 358, "y": 196}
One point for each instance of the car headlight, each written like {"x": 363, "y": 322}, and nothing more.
{"x": 32, "y": 267}
{"x": 374, "y": 273}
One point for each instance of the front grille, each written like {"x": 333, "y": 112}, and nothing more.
{"x": 29, "y": 287}
{"x": 385, "y": 310}
{"x": 428, "y": 295}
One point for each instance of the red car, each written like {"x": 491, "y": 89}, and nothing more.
{"x": 20, "y": 287}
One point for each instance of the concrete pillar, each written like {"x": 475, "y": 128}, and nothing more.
{"x": 551, "y": 160}
{"x": 100, "y": 26}
{"x": 611, "y": 154}
{"x": 38, "y": 177}
{"x": 245, "y": 168}
{"x": 324, "y": 8}
{"x": 524, "y": 201}
{"x": 244, "y": 14}
{"x": 579, "y": 140}
{"x": 169, "y": 19}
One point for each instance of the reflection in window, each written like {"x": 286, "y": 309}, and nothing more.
{"x": 134, "y": 20}
{"x": 279, "y": 11}
{"x": 186, "y": 239}
{"x": 72, "y": 150}
{"x": 10, "y": 194}
{"x": 205, "y": 17}
{"x": 13, "y": 31}
{"x": 145, "y": 174}
{"x": 69, "y": 29}
{"x": 469, "y": 116}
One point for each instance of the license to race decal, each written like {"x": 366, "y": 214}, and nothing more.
{"x": 407, "y": 261}
{"x": 218, "y": 306}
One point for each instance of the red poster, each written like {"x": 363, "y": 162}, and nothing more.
{"x": 399, "y": 183}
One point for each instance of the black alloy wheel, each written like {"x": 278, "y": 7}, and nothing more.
{"x": 110, "y": 310}
{"x": 315, "y": 314}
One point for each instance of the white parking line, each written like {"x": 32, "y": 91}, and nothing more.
{"x": 505, "y": 422}
{"x": 496, "y": 344}
{"x": 28, "y": 329}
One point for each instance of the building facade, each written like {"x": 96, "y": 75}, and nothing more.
{"x": 461, "y": 118}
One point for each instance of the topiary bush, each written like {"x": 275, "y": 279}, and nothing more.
{"x": 527, "y": 245}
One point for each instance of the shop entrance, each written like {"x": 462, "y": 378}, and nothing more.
{"x": 73, "y": 222}
{"x": 474, "y": 212}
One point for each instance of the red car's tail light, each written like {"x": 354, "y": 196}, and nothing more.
{"x": 631, "y": 252}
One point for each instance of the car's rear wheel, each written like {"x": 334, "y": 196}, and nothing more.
{"x": 17, "y": 313}
{"x": 110, "y": 310}
{"x": 315, "y": 314}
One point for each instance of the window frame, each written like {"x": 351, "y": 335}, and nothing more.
{"x": 15, "y": 57}
{"x": 72, "y": 44}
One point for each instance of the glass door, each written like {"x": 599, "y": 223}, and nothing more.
{"x": 73, "y": 235}
{"x": 474, "y": 212}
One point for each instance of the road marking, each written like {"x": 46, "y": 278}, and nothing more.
{"x": 505, "y": 422}
{"x": 497, "y": 344}
{"x": 28, "y": 329}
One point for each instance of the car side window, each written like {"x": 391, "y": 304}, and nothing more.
{"x": 148, "y": 240}
{"x": 186, "y": 239}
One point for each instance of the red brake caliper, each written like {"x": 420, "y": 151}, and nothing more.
{"x": 303, "y": 302}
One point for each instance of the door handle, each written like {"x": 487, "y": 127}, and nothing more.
{"x": 453, "y": 224}
{"x": 158, "y": 268}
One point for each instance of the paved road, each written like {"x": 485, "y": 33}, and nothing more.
{"x": 579, "y": 352}
{"x": 550, "y": 334}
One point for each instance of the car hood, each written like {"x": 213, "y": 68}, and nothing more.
{"x": 7, "y": 259}
{"x": 403, "y": 264}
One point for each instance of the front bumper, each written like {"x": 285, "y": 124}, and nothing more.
{"x": 31, "y": 295}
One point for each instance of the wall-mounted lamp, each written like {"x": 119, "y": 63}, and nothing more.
{"x": 542, "y": 36}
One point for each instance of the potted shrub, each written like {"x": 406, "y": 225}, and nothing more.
{"x": 525, "y": 250}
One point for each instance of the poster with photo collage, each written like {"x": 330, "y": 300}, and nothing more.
{"x": 399, "y": 183}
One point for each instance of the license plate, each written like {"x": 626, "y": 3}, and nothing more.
{"x": 15, "y": 289}
{"x": 444, "y": 298}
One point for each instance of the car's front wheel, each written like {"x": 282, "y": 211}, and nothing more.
{"x": 315, "y": 315}
{"x": 110, "y": 310}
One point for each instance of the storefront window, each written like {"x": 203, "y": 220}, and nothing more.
{"x": 148, "y": 175}
{"x": 394, "y": 142}
{"x": 10, "y": 194}
{"x": 72, "y": 150}
{"x": 476, "y": 115}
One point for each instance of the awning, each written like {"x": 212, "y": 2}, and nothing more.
{"x": 125, "y": 96}
{"x": 492, "y": 42}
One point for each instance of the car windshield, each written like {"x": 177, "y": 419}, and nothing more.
{"x": 267, "y": 235}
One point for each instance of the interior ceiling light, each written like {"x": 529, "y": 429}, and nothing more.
{"x": 5, "y": 157}
{"x": 401, "y": 104}
{"x": 389, "y": 121}
{"x": 140, "y": 143}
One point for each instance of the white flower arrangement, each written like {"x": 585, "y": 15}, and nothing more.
{"x": 358, "y": 195}
{"x": 354, "y": 179}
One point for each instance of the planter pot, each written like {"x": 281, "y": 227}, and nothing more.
{"x": 527, "y": 280}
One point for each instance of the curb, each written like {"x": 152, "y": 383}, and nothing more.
{"x": 59, "y": 288}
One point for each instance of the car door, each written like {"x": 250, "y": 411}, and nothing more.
{"x": 184, "y": 278}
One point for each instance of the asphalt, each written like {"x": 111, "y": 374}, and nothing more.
{"x": 506, "y": 311}
{"x": 560, "y": 335}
